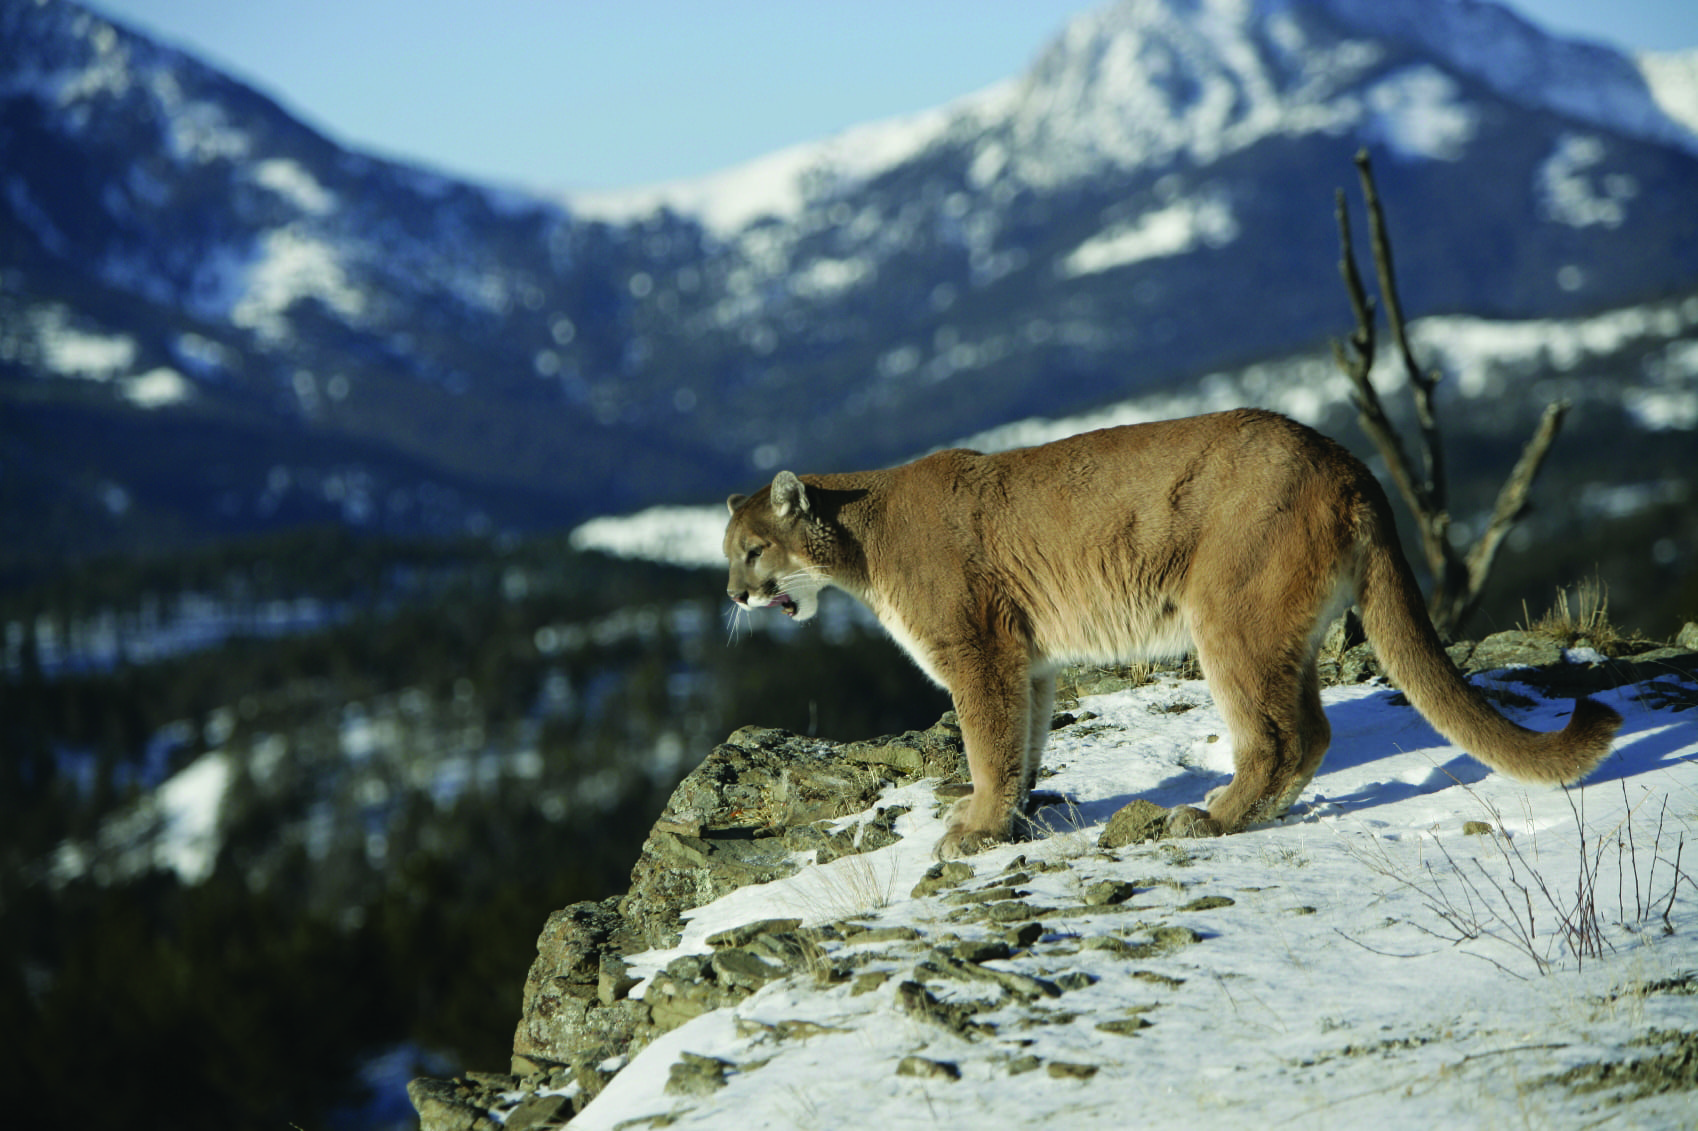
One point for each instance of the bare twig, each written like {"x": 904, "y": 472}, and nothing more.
{"x": 1458, "y": 578}
{"x": 1506, "y": 902}
{"x": 1512, "y": 506}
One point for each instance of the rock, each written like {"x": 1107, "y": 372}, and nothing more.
{"x": 979, "y": 950}
{"x": 537, "y": 1112}
{"x": 868, "y": 982}
{"x": 948, "y": 874}
{"x": 718, "y": 832}
{"x": 1105, "y": 893}
{"x": 1123, "y": 1027}
{"x": 566, "y": 981}
{"x": 982, "y": 895}
{"x": 933, "y": 753}
{"x": 749, "y": 932}
{"x": 615, "y": 980}
{"x": 1025, "y": 986}
{"x": 915, "y": 1000}
{"x": 1357, "y": 665}
{"x": 887, "y": 934}
{"x": 896, "y": 755}
{"x": 444, "y": 1105}
{"x": 1135, "y": 823}
{"x": 744, "y": 802}
{"x": 744, "y": 970}
{"x": 1172, "y": 938}
{"x": 696, "y": 1075}
{"x": 1103, "y": 681}
{"x": 1515, "y": 648}
{"x": 830, "y": 844}
{"x": 928, "y": 1069}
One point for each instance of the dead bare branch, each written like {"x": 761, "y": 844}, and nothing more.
{"x": 1459, "y": 577}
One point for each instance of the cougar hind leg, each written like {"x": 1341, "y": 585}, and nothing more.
{"x": 1265, "y": 701}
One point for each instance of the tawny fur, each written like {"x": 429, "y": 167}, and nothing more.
{"x": 1239, "y": 534}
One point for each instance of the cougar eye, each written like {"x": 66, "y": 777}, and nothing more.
{"x": 754, "y": 552}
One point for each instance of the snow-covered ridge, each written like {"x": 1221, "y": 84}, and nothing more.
{"x": 781, "y": 183}
{"x": 1140, "y": 83}
{"x": 1590, "y": 82}
{"x": 1484, "y": 360}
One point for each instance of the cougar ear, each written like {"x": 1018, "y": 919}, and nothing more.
{"x": 789, "y": 496}
{"x": 734, "y": 502}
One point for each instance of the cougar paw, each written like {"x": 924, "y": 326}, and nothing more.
{"x": 1185, "y": 820}
{"x": 957, "y": 843}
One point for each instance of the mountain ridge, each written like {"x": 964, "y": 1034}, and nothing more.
{"x": 187, "y": 265}
{"x": 1633, "y": 105}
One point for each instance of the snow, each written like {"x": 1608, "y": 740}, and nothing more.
{"x": 176, "y": 827}
{"x": 1491, "y": 44}
{"x": 1416, "y": 113}
{"x": 1146, "y": 83}
{"x": 780, "y": 184}
{"x": 72, "y": 351}
{"x": 291, "y": 181}
{"x": 1572, "y": 188}
{"x": 1328, "y": 991}
{"x": 157, "y": 388}
{"x": 687, "y": 536}
{"x": 288, "y": 266}
{"x": 190, "y": 803}
{"x": 827, "y": 278}
{"x": 1204, "y": 219}
{"x": 1673, "y": 79}
{"x": 1481, "y": 357}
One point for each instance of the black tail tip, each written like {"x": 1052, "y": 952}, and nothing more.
{"x": 1590, "y": 730}
{"x": 1591, "y": 715}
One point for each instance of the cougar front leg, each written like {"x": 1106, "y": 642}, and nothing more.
{"x": 992, "y": 703}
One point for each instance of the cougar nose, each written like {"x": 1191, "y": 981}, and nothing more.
{"x": 739, "y": 597}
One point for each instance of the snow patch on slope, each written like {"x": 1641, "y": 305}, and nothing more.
{"x": 1673, "y": 79}
{"x": 780, "y": 184}
{"x": 1197, "y": 221}
{"x": 290, "y": 266}
{"x": 1573, "y": 190}
{"x": 1418, "y": 113}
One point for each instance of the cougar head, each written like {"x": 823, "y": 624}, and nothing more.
{"x": 766, "y": 544}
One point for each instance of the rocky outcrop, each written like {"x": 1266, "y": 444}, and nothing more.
{"x": 764, "y": 802}
{"x": 756, "y": 806}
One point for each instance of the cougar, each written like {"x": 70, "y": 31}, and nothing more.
{"x": 1239, "y": 535}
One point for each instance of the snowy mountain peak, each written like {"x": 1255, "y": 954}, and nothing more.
{"x": 1489, "y": 43}
{"x": 1143, "y": 83}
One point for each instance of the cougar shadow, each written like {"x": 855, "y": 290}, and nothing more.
{"x": 1647, "y": 740}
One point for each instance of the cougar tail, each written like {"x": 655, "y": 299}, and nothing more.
{"x": 1395, "y": 618}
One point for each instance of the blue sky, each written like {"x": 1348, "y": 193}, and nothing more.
{"x": 563, "y": 94}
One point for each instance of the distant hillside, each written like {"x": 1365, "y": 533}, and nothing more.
{"x": 214, "y": 319}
